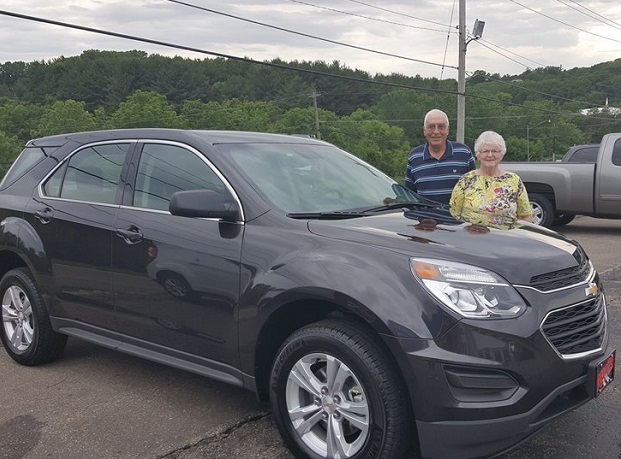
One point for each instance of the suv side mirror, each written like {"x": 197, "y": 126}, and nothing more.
{"x": 204, "y": 204}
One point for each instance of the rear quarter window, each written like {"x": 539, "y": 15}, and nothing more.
{"x": 26, "y": 160}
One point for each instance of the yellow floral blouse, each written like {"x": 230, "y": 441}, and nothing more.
{"x": 504, "y": 195}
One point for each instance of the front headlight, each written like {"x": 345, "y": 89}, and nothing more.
{"x": 473, "y": 292}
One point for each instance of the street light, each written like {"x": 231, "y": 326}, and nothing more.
{"x": 528, "y": 128}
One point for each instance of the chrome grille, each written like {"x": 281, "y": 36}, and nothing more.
{"x": 562, "y": 278}
{"x": 577, "y": 329}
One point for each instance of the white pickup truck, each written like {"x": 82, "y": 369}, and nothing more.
{"x": 559, "y": 191}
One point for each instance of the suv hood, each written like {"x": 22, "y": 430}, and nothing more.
{"x": 516, "y": 250}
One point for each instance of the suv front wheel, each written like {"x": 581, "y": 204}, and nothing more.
{"x": 335, "y": 394}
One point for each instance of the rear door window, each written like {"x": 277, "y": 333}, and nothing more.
{"x": 92, "y": 174}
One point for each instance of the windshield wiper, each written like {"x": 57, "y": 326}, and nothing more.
{"x": 403, "y": 205}
{"x": 342, "y": 214}
{"x": 333, "y": 215}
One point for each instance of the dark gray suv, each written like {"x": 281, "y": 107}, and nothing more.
{"x": 366, "y": 314}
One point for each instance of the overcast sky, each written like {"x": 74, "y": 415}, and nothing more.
{"x": 413, "y": 37}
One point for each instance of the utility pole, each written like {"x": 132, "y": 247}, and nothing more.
{"x": 314, "y": 95}
{"x": 477, "y": 32}
{"x": 528, "y": 128}
{"x": 461, "y": 74}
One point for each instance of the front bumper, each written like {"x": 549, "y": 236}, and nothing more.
{"x": 485, "y": 386}
{"x": 482, "y": 437}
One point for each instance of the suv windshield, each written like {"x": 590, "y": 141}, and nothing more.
{"x": 303, "y": 178}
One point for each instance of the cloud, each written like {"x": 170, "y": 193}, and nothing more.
{"x": 518, "y": 33}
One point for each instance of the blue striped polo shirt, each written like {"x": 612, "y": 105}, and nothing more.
{"x": 435, "y": 178}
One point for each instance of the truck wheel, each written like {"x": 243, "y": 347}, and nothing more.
{"x": 177, "y": 286}
{"x": 335, "y": 394}
{"x": 26, "y": 333}
{"x": 563, "y": 219}
{"x": 543, "y": 210}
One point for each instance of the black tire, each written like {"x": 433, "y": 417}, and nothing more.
{"x": 26, "y": 332}
{"x": 543, "y": 210}
{"x": 563, "y": 219}
{"x": 368, "y": 389}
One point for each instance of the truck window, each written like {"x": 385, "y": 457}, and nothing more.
{"x": 586, "y": 154}
{"x": 616, "y": 153}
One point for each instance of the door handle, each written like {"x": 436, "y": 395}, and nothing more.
{"x": 131, "y": 235}
{"x": 44, "y": 216}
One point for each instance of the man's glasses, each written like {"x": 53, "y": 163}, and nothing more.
{"x": 487, "y": 152}
{"x": 439, "y": 127}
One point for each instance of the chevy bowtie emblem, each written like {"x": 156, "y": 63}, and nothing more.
{"x": 591, "y": 290}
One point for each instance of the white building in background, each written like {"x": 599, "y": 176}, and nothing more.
{"x": 605, "y": 109}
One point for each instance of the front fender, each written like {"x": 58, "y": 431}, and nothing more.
{"x": 375, "y": 284}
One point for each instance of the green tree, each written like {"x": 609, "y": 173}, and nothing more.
{"x": 597, "y": 124}
{"x": 302, "y": 121}
{"x": 19, "y": 119}
{"x": 10, "y": 146}
{"x": 231, "y": 115}
{"x": 407, "y": 109}
{"x": 65, "y": 117}
{"x": 376, "y": 142}
{"x": 146, "y": 109}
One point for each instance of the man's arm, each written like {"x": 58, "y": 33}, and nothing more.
{"x": 471, "y": 163}
{"x": 409, "y": 182}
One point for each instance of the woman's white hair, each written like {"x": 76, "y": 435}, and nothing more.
{"x": 490, "y": 138}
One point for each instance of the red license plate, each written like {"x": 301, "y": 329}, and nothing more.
{"x": 605, "y": 373}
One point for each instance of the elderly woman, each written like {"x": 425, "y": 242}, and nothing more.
{"x": 489, "y": 189}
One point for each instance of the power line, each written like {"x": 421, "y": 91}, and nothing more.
{"x": 541, "y": 93}
{"x": 435, "y": 30}
{"x": 398, "y": 13}
{"x": 213, "y": 53}
{"x": 596, "y": 15}
{"x": 448, "y": 37}
{"x": 314, "y": 37}
{"x": 365, "y": 17}
{"x": 272, "y": 64}
{"x": 503, "y": 55}
{"x": 564, "y": 23}
{"x": 450, "y": 26}
{"x": 481, "y": 41}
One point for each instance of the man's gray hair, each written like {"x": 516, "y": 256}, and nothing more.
{"x": 435, "y": 111}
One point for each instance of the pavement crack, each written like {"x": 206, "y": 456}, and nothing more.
{"x": 216, "y": 437}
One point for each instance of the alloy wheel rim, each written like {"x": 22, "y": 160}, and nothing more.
{"x": 175, "y": 287}
{"x": 327, "y": 406}
{"x": 17, "y": 318}
{"x": 537, "y": 213}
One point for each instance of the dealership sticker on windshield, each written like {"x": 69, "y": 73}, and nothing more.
{"x": 605, "y": 373}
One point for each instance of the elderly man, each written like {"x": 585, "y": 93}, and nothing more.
{"x": 434, "y": 168}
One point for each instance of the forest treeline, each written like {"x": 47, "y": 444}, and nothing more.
{"x": 376, "y": 117}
